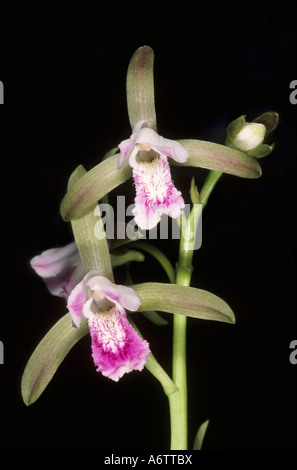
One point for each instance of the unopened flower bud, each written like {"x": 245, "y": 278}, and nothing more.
{"x": 250, "y": 136}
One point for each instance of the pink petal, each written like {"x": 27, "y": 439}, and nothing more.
{"x": 139, "y": 126}
{"x": 170, "y": 148}
{"x": 155, "y": 193}
{"x": 147, "y": 137}
{"x": 51, "y": 262}
{"x": 122, "y": 295}
{"x": 63, "y": 284}
{"x": 146, "y": 217}
{"x": 76, "y": 302}
{"x": 116, "y": 347}
{"x": 60, "y": 268}
{"x": 127, "y": 146}
{"x": 87, "y": 310}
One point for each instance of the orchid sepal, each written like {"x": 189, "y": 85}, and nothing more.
{"x": 261, "y": 151}
{"x": 270, "y": 120}
{"x": 140, "y": 88}
{"x": 221, "y": 158}
{"x": 48, "y": 355}
{"x": 182, "y": 300}
{"x": 94, "y": 251}
{"x": 83, "y": 196}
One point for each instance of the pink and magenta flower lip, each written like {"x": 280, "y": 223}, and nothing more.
{"x": 116, "y": 347}
{"x": 146, "y": 152}
{"x": 155, "y": 193}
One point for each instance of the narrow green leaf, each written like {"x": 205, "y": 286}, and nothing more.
{"x": 194, "y": 194}
{"x": 123, "y": 255}
{"x": 93, "y": 250}
{"x": 198, "y": 442}
{"x": 83, "y": 196}
{"x": 140, "y": 88}
{"x": 110, "y": 153}
{"x": 48, "y": 355}
{"x": 220, "y": 158}
{"x": 127, "y": 234}
{"x": 158, "y": 255}
{"x": 182, "y": 300}
{"x": 155, "y": 318}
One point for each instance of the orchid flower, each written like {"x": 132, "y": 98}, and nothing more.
{"x": 146, "y": 152}
{"x": 116, "y": 347}
{"x": 250, "y": 136}
{"x": 60, "y": 268}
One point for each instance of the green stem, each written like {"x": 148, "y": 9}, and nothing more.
{"x": 209, "y": 184}
{"x": 179, "y": 415}
{"x": 176, "y": 388}
{"x": 178, "y": 400}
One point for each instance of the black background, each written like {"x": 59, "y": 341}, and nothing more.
{"x": 64, "y": 81}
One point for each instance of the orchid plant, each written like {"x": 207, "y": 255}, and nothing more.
{"x": 83, "y": 272}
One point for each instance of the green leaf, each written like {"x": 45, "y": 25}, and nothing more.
{"x": 158, "y": 255}
{"x": 93, "y": 250}
{"x": 220, "y": 158}
{"x": 110, "y": 153}
{"x": 140, "y": 88}
{"x": 83, "y": 196}
{"x": 155, "y": 318}
{"x": 182, "y": 300}
{"x": 194, "y": 194}
{"x": 200, "y": 435}
{"x": 127, "y": 234}
{"x": 123, "y": 255}
{"x": 48, "y": 355}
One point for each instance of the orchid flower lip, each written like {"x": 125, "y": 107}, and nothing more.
{"x": 155, "y": 191}
{"x": 116, "y": 347}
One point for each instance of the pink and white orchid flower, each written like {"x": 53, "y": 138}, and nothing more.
{"x": 60, "y": 268}
{"x": 146, "y": 152}
{"x": 116, "y": 347}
